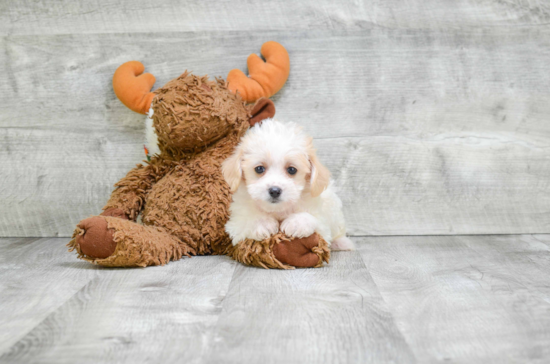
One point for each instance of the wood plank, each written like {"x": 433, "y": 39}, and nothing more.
{"x": 330, "y": 315}
{"x": 406, "y": 119}
{"x": 382, "y": 82}
{"x": 155, "y": 314}
{"x": 36, "y": 277}
{"x": 397, "y": 299}
{"x": 388, "y": 185}
{"x": 466, "y": 299}
{"x": 401, "y": 186}
{"x": 542, "y": 238}
{"x": 57, "y": 178}
{"x": 140, "y": 16}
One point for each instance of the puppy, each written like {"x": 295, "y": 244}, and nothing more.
{"x": 278, "y": 184}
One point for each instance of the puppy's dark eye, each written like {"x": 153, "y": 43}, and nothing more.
{"x": 291, "y": 170}
{"x": 260, "y": 169}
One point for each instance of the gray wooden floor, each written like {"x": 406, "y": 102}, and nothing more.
{"x": 458, "y": 299}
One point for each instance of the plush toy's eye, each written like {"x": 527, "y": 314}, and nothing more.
{"x": 260, "y": 169}
{"x": 291, "y": 170}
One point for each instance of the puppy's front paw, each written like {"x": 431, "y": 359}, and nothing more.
{"x": 299, "y": 225}
{"x": 264, "y": 228}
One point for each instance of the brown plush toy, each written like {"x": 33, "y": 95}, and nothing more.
{"x": 180, "y": 192}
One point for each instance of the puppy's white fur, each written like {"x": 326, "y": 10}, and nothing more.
{"x": 152, "y": 140}
{"x": 307, "y": 203}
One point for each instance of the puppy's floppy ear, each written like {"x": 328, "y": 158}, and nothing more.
{"x": 232, "y": 170}
{"x": 320, "y": 175}
{"x": 263, "y": 109}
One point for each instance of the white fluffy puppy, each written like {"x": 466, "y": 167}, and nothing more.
{"x": 278, "y": 184}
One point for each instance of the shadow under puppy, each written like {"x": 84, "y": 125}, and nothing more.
{"x": 279, "y": 185}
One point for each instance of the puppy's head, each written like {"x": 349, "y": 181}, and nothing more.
{"x": 278, "y": 163}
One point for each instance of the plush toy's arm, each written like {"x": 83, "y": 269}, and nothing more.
{"x": 129, "y": 195}
{"x": 281, "y": 252}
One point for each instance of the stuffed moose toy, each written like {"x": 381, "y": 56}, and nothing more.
{"x": 180, "y": 192}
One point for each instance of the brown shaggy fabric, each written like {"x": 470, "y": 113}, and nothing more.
{"x": 188, "y": 117}
{"x": 114, "y": 212}
{"x": 181, "y": 194}
{"x": 137, "y": 245}
{"x": 130, "y": 192}
{"x": 263, "y": 253}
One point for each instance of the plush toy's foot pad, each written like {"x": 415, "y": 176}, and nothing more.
{"x": 95, "y": 238}
{"x": 298, "y": 252}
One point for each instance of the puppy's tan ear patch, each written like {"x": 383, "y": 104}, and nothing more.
{"x": 263, "y": 109}
{"x": 320, "y": 175}
{"x": 232, "y": 170}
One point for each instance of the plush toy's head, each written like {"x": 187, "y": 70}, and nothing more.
{"x": 191, "y": 112}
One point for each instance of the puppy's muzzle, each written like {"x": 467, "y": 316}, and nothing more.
{"x": 275, "y": 192}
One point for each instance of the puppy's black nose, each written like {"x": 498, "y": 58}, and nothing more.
{"x": 275, "y": 192}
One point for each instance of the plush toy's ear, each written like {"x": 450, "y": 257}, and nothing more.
{"x": 320, "y": 175}
{"x": 232, "y": 170}
{"x": 262, "y": 109}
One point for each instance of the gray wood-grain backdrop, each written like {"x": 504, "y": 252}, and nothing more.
{"x": 433, "y": 115}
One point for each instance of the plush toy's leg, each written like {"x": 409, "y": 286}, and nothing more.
{"x": 115, "y": 242}
{"x": 280, "y": 251}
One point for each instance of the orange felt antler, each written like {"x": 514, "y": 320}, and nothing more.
{"x": 265, "y": 78}
{"x": 133, "y": 88}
